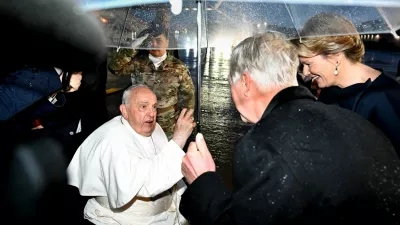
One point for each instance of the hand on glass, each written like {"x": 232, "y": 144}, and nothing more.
{"x": 183, "y": 127}
{"x": 198, "y": 160}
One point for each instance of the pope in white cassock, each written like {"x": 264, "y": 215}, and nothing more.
{"x": 129, "y": 166}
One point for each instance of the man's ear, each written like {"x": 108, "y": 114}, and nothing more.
{"x": 124, "y": 111}
{"x": 246, "y": 83}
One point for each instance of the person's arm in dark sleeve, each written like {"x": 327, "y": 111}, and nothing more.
{"x": 24, "y": 87}
{"x": 94, "y": 98}
{"x": 14, "y": 99}
{"x": 266, "y": 189}
{"x": 207, "y": 201}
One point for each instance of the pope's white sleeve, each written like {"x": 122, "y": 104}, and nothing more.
{"x": 165, "y": 171}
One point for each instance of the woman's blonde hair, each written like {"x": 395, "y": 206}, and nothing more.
{"x": 318, "y": 39}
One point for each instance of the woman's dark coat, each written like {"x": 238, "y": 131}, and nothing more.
{"x": 377, "y": 101}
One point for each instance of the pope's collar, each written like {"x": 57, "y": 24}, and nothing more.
{"x": 136, "y": 134}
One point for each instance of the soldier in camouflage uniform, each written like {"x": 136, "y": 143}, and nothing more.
{"x": 170, "y": 79}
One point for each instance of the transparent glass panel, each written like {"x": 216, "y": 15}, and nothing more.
{"x": 228, "y": 23}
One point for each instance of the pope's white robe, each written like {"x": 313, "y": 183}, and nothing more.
{"x": 115, "y": 164}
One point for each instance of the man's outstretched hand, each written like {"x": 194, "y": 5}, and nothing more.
{"x": 198, "y": 160}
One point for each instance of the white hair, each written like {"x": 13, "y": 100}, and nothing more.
{"x": 126, "y": 96}
{"x": 269, "y": 58}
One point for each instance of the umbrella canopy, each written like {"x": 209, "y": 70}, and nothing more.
{"x": 105, "y": 4}
{"x": 225, "y": 23}
{"x": 124, "y": 25}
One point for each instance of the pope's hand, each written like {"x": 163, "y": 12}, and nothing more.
{"x": 198, "y": 160}
{"x": 183, "y": 127}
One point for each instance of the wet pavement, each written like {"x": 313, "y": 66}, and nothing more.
{"x": 220, "y": 121}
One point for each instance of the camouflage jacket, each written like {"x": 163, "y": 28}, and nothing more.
{"x": 171, "y": 82}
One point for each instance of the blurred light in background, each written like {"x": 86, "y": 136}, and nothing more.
{"x": 176, "y": 6}
{"x": 103, "y": 20}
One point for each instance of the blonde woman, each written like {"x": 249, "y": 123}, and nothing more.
{"x": 334, "y": 63}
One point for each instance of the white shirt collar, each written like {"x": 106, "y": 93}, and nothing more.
{"x": 59, "y": 71}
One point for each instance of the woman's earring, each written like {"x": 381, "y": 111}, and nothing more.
{"x": 336, "y": 69}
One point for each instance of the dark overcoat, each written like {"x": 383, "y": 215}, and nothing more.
{"x": 303, "y": 162}
{"x": 377, "y": 101}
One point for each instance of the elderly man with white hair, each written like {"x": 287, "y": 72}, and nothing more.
{"x": 302, "y": 162}
{"x": 130, "y": 168}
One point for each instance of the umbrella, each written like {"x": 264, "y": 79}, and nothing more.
{"x": 223, "y": 24}
{"x": 245, "y": 17}
{"x": 123, "y": 25}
